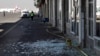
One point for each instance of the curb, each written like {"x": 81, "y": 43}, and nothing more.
{"x": 54, "y": 34}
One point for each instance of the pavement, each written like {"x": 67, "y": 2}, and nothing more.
{"x": 25, "y": 30}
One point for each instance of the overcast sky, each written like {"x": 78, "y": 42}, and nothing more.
{"x": 98, "y": 2}
{"x": 28, "y": 4}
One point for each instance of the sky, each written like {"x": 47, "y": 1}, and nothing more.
{"x": 98, "y": 2}
{"x": 28, "y": 4}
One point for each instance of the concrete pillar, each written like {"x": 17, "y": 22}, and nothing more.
{"x": 70, "y": 13}
{"x": 60, "y": 16}
{"x": 47, "y": 8}
{"x": 50, "y": 11}
{"x": 40, "y": 11}
{"x": 64, "y": 15}
{"x": 80, "y": 23}
{"x": 53, "y": 12}
{"x": 83, "y": 26}
{"x": 94, "y": 17}
{"x": 43, "y": 9}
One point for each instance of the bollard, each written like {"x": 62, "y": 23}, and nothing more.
{"x": 69, "y": 42}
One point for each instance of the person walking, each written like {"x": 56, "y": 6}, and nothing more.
{"x": 4, "y": 13}
{"x": 32, "y": 15}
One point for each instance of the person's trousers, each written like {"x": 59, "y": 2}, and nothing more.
{"x": 32, "y": 18}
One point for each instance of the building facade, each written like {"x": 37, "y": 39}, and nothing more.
{"x": 74, "y": 18}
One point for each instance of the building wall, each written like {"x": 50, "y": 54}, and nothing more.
{"x": 60, "y": 14}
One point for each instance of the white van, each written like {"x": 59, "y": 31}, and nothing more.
{"x": 25, "y": 13}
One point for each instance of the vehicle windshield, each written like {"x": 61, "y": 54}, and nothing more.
{"x": 25, "y": 11}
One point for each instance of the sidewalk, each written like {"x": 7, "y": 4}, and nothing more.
{"x": 26, "y": 31}
{"x": 83, "y": 51}
{"x": 36, "y": 30}
{"x": 30, "y": 38}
